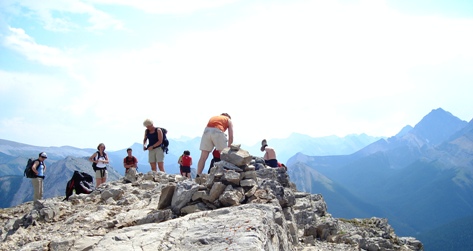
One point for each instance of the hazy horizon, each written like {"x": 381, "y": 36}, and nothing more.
{"x": 82, "y": 72}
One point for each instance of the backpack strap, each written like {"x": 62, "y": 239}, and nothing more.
{"x": 98, "y": 155}
{"x": 127, "y": 159}
{"x": 157, "y": 135}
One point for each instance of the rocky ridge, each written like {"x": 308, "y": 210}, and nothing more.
{"x": 235, "y": 207}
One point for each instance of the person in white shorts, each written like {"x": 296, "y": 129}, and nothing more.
{"x": 214, "y": 136}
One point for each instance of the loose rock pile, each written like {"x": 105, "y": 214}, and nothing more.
{"x": 235, "y": 207}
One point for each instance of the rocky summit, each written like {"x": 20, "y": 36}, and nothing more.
{"x": 236, "y": 207}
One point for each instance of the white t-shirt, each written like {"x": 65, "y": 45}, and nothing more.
{"x": 100, "y": 164}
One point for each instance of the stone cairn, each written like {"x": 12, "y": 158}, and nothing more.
{"x": 235, "y": 207}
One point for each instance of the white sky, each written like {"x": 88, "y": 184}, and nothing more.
{"x": 81, "y": 72}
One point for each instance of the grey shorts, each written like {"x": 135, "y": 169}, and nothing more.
{"x": 211, "y": 138}
{"x": 155, "y": 155}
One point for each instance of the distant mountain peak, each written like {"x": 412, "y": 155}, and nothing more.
{"x": 439, "y": 110}
{"x": 437, "y": 114}
{"x": 406, "y": 129}
{"x": 437, "y": 126}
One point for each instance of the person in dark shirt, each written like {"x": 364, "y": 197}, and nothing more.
{"x": 216, "y": 158}
{"x": 154, "y": 137}
{"x": 131, "y": 165}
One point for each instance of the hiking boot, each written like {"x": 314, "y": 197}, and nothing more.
{"x": 264, "y": 143}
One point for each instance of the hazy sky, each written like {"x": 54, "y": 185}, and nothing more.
{"x": 81, "y": 72}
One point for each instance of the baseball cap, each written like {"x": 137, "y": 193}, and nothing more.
{"x": 43, "y": 154}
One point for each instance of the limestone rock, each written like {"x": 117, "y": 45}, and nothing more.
{"x": 228, "y": 209}
{"x": 236, "y": 156}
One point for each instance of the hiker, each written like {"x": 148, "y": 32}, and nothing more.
{"x": 131, "y": 164}
{"x": 99, "y": 162}
{"x": 270, "y": 155}
{"x": 154, "y": 137}
{"x": 179, "y": 162}
{"x": 282, "y": 166}
{"x": 39, "y": 168}
{"x": 216, "y": 158}
{"x": 214, "y": 136}
{"x": 185, "y": 163}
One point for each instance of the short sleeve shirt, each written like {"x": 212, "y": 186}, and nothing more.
{"x": 130, "y": 160}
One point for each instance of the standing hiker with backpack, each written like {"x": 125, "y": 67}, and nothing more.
{"x": 154, "y": 136}
{"x": 99, "y": 163}
{"x": 39, "y": 169}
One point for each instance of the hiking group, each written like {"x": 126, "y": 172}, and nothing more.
{"x": 214, "y": 139}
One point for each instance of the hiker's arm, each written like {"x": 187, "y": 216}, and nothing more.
{"x": 129, "y": 165}
{"x": 35, "y": 165}
{"x": 144, "y": 141}
{"x": 230, "y": 133}
{"x": 92, "y": 158}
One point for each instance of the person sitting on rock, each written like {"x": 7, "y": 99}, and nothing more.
{"x": 131, "y": 164}
{"x": 270, "y": 155}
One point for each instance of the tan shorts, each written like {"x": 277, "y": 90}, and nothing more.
{"x": 156, "y": 155}
{"x": 211, "y": 138}
{"x": 99, "y": 172}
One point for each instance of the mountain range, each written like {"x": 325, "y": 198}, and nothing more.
{"x": 62, "y": 161}
{"x": 420, "y": 179}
